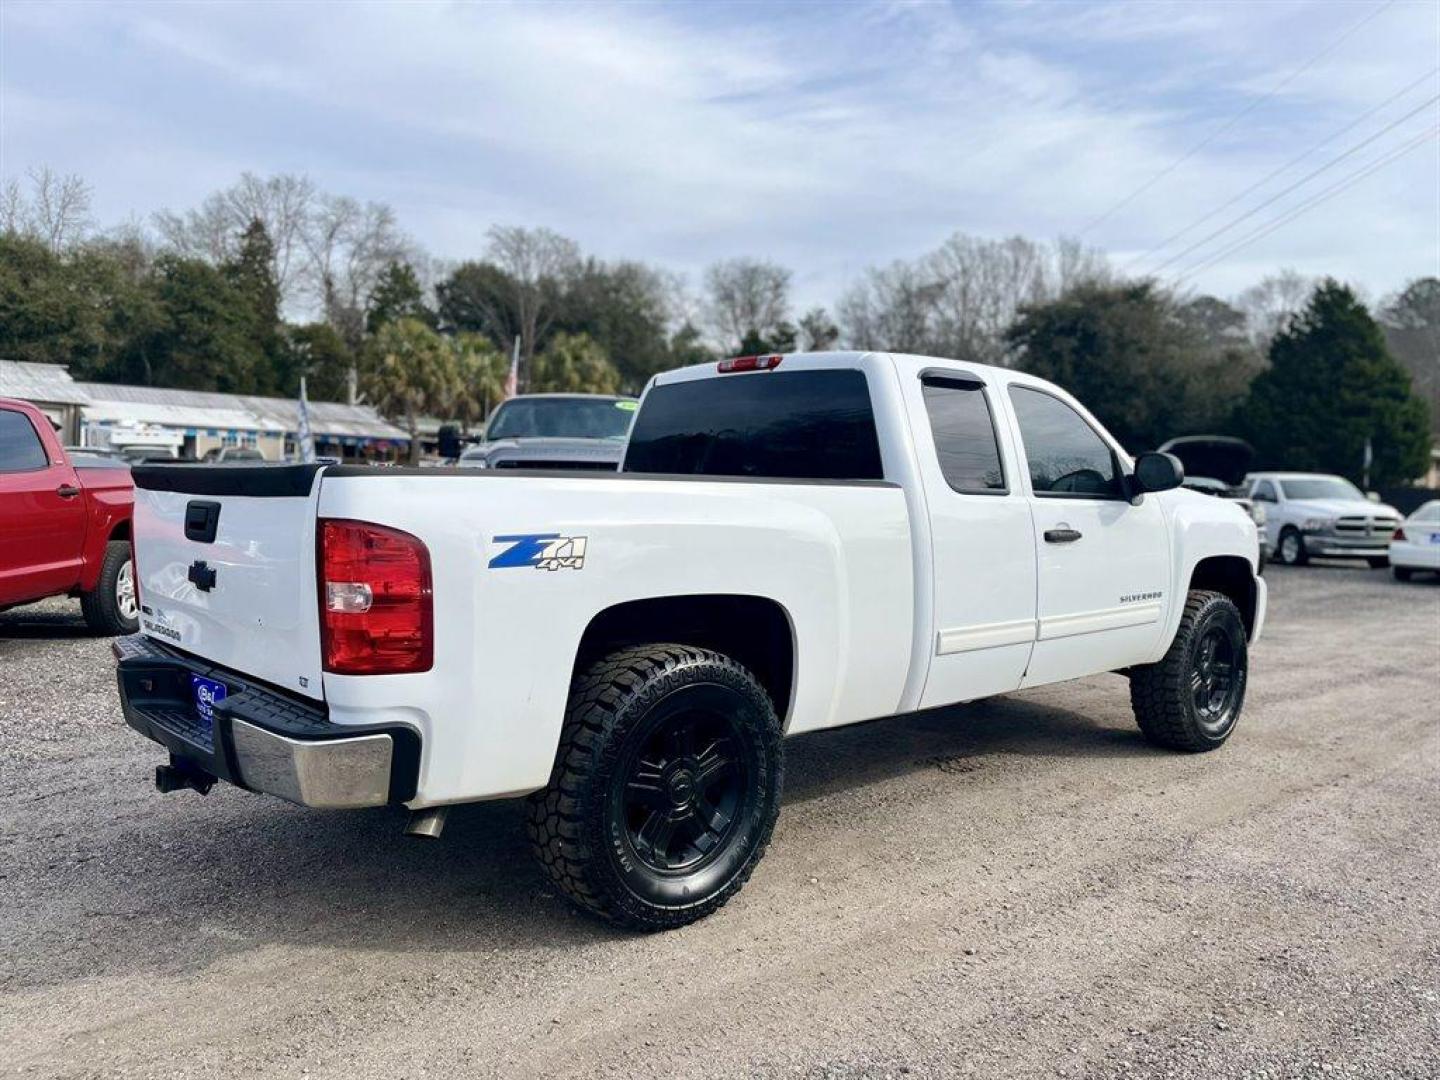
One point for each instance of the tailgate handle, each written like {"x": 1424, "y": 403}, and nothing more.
{"x": 202, "y": 518}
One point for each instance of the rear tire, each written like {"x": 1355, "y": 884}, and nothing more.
{"x": 111, "y": 608}
{"x": 1378, "y": 562}
{"x": 1290, "y": 550}
{"x": 1402, "y": 573}
{"x": 1191, "y": 699}
{"x": 665, "y": 789}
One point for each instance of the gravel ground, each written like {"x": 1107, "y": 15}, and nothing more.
{"x": 1018, "y": 887}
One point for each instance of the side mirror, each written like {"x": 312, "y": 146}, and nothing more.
{"x": 1156, "y": 472}
{"x": 1373, "y": 496}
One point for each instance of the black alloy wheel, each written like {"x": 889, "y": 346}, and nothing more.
{"x": 683, "y": 785}
{"x": 1214, "y": 680}
{"x": 1191, "y": 698}
{"x": 665, "y": 789}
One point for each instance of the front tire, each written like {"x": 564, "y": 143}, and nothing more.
{"x": 1290, "y": 551}
{"x": 1191, "y": 699}
{"x": 111, "y": 608}
{"x": 1402, "y": 573}
{"x": 665, "y": 789}
{"x": 1378, "y": 562}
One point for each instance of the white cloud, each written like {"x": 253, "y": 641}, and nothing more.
{"x": 827, "y": 138}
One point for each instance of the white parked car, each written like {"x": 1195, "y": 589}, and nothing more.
{"x": 1312, "y": 514}
{"x": 1415, "y": 545}
{"x": 793, "y": 543}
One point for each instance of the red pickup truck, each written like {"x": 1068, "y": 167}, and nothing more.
{"x": 64, "y": 524}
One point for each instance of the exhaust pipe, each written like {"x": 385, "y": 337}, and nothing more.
{"x": 427, "y": 824}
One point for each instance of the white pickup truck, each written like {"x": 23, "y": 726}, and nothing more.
{"x": 793, "y": 543}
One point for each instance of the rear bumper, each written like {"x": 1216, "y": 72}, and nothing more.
{"x": 1415, "y": 556}
{"x": 262, "y": 739}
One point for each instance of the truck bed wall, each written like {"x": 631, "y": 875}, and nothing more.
{"x": 835, "y": 557}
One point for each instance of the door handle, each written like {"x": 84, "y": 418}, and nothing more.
{"x": 67, "y": 491}
{"x": 1064, "y": 535}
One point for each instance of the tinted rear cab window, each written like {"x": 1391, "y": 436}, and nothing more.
{"x": 965, "y": 441}
{"x": 802, "y": 425}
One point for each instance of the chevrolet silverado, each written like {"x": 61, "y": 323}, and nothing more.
{"x": 793, "y": 543}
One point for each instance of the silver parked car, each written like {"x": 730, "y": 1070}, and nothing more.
{"x": 555, "y": 431}
{"x": 1312, "y": 514}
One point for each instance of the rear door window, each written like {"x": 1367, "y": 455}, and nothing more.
{"x": 1068, "y": 458}
{"x": 804, "y": 425}
{"x": 20, "y": 447}
{"x": 964, "y": 432}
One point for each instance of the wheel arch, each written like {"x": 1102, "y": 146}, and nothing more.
{"x": 755, "y": 631}
{"x": 1233, "y": 576}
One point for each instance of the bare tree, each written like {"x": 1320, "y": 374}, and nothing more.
{"x": 889, "y": 308}
{"x": 56, "y": 213}
{"x": 206, "y": 232}
{"x": 1410, "y": 320}
{"x": 981, "y": 284}
{"x": 682, "y": 307}
{"x": 745, "y": 296}
{"x": 1074, "y": 264}
{"x": 12, "y": 208}
{"x": 349, "y": 245}
{"x": 328, "y": 251}
{"x": 59, "y": 207}
{"x": 959, "y": 300}
{"x": 284, "y": 204}
{"x": 818, "y": 331}
{"x": 535, "y": 260}
{"x": 1269, "y": 304}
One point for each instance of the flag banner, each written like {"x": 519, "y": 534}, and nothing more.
{"x": 305, "y": 440}
{"x": 512, "y": 380}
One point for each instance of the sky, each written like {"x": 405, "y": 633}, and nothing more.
{"x": 827, "y": 137}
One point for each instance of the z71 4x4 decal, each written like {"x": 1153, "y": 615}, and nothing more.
{"x": 543, "y": 551}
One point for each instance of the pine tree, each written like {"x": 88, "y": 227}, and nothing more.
{"x": 397, "y": 295}
{"x": 252, "y": 276}
{"x": 1332, "y": 384}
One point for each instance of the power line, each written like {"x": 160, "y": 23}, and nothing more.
{"x": 1283, "y": 168}
{"x": 1344, "y": 184}
{"x": 1298, "y": 183}
{"x": 1246, "y": 111}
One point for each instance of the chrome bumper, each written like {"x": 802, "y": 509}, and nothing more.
{"x": 334, "y": 774}
{"x": 1328, "y": 544}
{"x": 260, "y": 738}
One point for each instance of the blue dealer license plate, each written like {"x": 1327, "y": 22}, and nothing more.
{"x": 207, "y": 692}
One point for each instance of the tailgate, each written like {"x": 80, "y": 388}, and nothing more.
{"x": 225, "y": 562}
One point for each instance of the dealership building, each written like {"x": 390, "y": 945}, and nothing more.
{"x": 191, "y": 423}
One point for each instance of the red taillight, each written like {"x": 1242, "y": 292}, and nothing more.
{"x": 376, "y": 615}
{"x": 749, "y": 363}
{"x": 1398, "y": 537}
